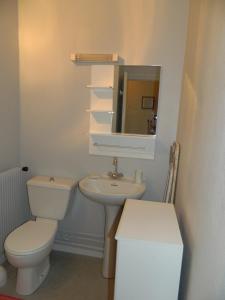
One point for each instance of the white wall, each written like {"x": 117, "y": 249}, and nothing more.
{"x": 54, "y": 124}
{"x": 9, "y": 85}
{"x": 200, "y": 200}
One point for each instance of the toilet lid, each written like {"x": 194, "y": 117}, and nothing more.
{"x": 30, "y": 237}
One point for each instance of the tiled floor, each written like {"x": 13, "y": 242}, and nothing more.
{"x": 71, "y": 277}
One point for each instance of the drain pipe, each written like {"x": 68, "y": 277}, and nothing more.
{"x": 3, "y": 276}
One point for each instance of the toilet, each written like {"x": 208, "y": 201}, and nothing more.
{"x": 28, "y": 246}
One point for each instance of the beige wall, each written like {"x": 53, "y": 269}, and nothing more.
{"x": 200, "y": 200}
{"x": 9, "y": 85}
{"x": 54, "y": 124}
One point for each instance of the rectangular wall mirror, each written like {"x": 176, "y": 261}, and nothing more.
{"x": 135, "y": 99}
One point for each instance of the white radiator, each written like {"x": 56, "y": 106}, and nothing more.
{"x": 14, "y": 207}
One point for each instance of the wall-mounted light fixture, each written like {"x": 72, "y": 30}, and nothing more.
{"x": 94, "y": 58}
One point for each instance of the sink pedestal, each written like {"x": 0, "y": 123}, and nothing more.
{"x": 111, "y": 193}
{"x": 112, "y": 217}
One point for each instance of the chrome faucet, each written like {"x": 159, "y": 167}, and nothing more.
{"x": 115, "y": 174}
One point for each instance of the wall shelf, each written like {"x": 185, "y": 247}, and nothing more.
{"x": 100, "y": 109}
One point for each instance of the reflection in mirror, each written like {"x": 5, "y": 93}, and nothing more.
{"x": 135, "y": 99}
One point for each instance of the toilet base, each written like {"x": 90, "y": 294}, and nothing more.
{"x": 29, "y": 279}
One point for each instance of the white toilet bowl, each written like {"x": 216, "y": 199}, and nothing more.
{"x": 27, "y": 248}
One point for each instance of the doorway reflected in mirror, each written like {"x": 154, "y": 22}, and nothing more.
{"x": 135, "y": 101}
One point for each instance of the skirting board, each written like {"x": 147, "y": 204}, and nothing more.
{"x": 77, "y": 249}
{"x": 79, "y": 243}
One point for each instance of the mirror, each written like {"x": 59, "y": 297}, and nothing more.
{"x": 135, "y": 99}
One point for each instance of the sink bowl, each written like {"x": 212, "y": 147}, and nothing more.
{"x": 108, "y": 191}
{"x": 111, "y": 193}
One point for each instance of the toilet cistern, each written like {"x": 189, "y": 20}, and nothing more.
{"x": 115, "y": 174}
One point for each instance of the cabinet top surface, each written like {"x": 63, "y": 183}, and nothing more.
{"x": 149, "y": 221}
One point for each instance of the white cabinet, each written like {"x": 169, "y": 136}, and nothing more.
{"x": 102, "y": 141}
{"x": 149, "y": 252}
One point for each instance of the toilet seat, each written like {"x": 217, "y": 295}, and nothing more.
{"x": 31, "y": 237}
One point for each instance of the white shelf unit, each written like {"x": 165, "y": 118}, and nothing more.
{"x": 101, "y": 139}
{"x": 101, "y": 92}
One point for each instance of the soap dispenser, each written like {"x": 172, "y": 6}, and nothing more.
{"x": 138, "y": 176}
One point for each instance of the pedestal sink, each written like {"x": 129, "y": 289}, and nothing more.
{"x": 111, "y": 193}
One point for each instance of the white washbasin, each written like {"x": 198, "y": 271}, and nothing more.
{"x": 108, "y": 191}
{"x": 111, "y": 193}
